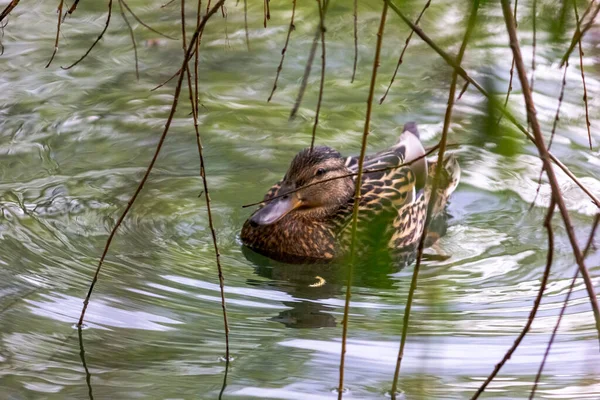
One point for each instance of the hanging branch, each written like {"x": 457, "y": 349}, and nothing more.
{"x": 544, "y": 155}
{"x": 88, "y": 376}
{"x": 110, "y": 2}
{"x": 167, "y": 3}
{"x": 266, "y": 12}
{"x": 463, "y": 90}
{"x": 433, "y": 193}
{"x": 137, "y": 69}
{"x": 197, "y": 58}
{"x": 307, "y": 68}
{"x": 71, "y": 9}
{"x": 512, "y": 67}
{"x": 246, "y": 24}
{"x": 580, "y": 32}
{"x": 287, "y": 40}
{"x": 536, "y": 303}
{"x": 153, "y": 161}
{"x": 224, "y": 385}
{"x": 9, "y": 7}
{"x": 585, "y": 96}
{"x": 60, "y": 10}
{"x": 534, "y": 17}
{"x": 400, "y": 59}
{"x": 357, "y": 192}
{"x": 320, "y": 99}
{"x": 211, "y": 225}
{"x": 554, "y": 124}
{"x": 491, "y": 99}
{"x": 355, "y": 15}
{"x": 564, "y": 307}
{"x": 144, "y": 24}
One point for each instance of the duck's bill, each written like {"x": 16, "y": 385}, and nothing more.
{"x": 275, "y": 210}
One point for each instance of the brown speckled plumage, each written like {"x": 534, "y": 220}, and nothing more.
{"x": 315, "y": 225}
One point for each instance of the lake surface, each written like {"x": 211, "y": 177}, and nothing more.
{"x": 74, "y": 145}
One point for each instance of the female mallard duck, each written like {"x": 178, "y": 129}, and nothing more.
{"x": 310, "y": 221}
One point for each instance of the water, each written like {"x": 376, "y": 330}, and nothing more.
{"x": 74, "y": 144}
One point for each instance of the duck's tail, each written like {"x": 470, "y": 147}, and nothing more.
{"x": 410, "y": 146}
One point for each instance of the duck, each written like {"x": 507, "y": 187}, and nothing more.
{"x": 306, "y": 217}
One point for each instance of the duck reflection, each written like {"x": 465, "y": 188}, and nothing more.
{"x": 309, "y": 283}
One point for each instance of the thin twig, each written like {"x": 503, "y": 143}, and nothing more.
{"x": 9, "y": 7}
{"x": 110, "y": 2}
{"x": 152, "y": 162}
{"x": 88, "y": 376}
{"x": 544, "y": 155}
{"x": 357, "y": 193}
{"x": 512, "y": 67}
{"x": 307, "y": 68}
{"x": 321, "y": 85}
{"x": 197, "y": 59}
{"x": 536, "y": 303}
{"x": 580, "y": 32}
{"x": 144, "y": 24}
{"x": 433, "y": 193}
{"x": 564, "y": 307}
{"x": 350, "y": 175}
{"x": 585, "y": 96}
{"x": 167, "y": 3}
{"x": 400, "y": 59}
{"x": 287, "y": 40}
{"x": 60, "y": 11}
{"x": 463, "y": 90}
{"x": 204, "y": 180}
{"x": 554, "y": 124}
{"x": 355, "y": 16}
{"x": 492, "y": 100}
{"x": 71, "y": 10}
{"x": 533, "y": 22}
{"x": 246, "y": 24}
{"x": 224, "y": 385}
{"x": 137, "y": 69}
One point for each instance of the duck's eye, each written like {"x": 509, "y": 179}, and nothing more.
{"x": 320, "y": 171}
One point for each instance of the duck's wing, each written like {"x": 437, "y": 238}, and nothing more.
{"x": 409, "y": 224}
{"x": 383, "y": 185}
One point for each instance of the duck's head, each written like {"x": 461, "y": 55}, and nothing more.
{"x": 316, "y": 200}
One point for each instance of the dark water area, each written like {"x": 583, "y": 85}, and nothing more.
{"x": 75, "y": 143}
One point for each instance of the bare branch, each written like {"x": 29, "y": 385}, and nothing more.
{"x": 580, "y": 32}
{"x": 144, "y": 24}
{"x": 246, "y": 24}
{"x": 400, "y": 59}
{"x": 585, "y": 96}
{"x": 137, "y": 69}
{"x": 358, "y": 184}
{"x": 321, "y": 85}
{"x": 433, "y": 193}
{"x": 451, "y": 62}
{"x": 287, "y": 40}
{"x": 544, "y": 155}
{"x": 154, "y": 158}
{"x": 355, "y": 17}
{"x": 7, "y": 10}
{"x": 97, "y": 39}
{"x": 564, "y": 307}
{"x": 536, "y": 303}
{"x": 60, "y": 11}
